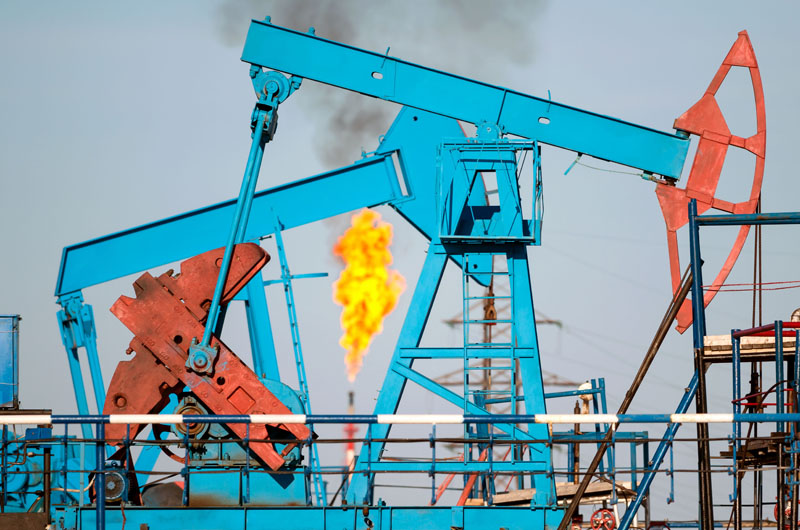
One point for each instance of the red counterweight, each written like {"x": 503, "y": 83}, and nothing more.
{"x": 705, "y": 119}
{"x": 166, "y": 315}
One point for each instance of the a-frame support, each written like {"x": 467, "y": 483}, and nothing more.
{"x": 472, "y": 227}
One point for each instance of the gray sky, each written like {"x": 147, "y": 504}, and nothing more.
{"x": 115, "y": 115}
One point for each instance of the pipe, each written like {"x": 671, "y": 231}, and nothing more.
{"x": 658, "y": 457}
{"x": 46, "y": 481}
{"x": 676, "y": 418}
{"x": 100, "y": 477}
{"x": 4, "y": 472}
{"x": 703, "y": 449}
{"x": 658, "y": 339}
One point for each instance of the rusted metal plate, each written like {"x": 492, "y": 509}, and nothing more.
{"x": 24, "y": 521}
{"x": 167, "y": 313}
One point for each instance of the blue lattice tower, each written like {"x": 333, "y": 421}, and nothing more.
{"x": 477, "y": 228}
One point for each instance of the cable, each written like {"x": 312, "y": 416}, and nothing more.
{"x": 578, "y": 162}
{"x": 721, "y": 288}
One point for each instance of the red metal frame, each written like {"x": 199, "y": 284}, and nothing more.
{"x": 705, "y": 120}
{"x": 167, "y": 313}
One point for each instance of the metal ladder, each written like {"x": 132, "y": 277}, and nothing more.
{"x": 486, "y": 350}
{"x": 486, "y": 355}
{"x": 286, "y": 279}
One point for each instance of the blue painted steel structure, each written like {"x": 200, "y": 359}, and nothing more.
{"x": 74, "y": 511}
{"x": 476, "y": 232}
{"x": 509, "y": 112}
{"x": 413, "y": 139}
{"x": 9, "y": 361}
{"x": 441, "y": 190}
{"x": 699, "y": 333}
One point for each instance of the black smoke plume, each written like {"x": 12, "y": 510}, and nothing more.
{"x": 476, "y": 39}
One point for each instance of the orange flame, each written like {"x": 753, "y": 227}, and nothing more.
{"x": 367, "y": 290}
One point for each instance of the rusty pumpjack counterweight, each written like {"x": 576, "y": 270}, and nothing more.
{"x": 166, "y": 314}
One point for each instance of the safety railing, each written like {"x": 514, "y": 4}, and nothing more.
{"x": 785, "y": 442}
{"x": 79, "y": 467}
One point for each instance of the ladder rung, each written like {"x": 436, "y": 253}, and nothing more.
{"x": 498, "y": 321}
{"x": 483, "y": 273}
{"x": 487, "y": 298}
{"x": 489, "y": 368}
{"x": 488, "y": 345}
{"x": 498, "y": 401}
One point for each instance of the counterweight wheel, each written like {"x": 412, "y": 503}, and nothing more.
{"x": 603, "y": 519}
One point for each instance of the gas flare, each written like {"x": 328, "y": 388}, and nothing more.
{"x": 366, "y": 289}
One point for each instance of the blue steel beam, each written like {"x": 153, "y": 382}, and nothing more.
{"x": 310, "y": 518}
{"x": 370, "y": 182}
{"x": 413, "y": 138}
{"x": 778, "y": 218}
{"x": 265, "y": 362}
{"x": 392, "y": 79}
{"x": 458, "y": 353}
{"x": 477, "y": 413}
{"x": 479, "y": 416}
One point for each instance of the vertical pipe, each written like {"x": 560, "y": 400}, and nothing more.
{"x": 574, "y": 460}
{"x": 601, "y": 385}
{"x": 736, "y": 433}
{"x": 488, "y": 482}
{"x": 100, "y": 477}
{"x": 185, "y": 471}
{"x": 796, "y": 372}
{"x": 433, "y": 464}
{"x": 5, "y": 471}
{"x": 46, "y": 483}
{"x": 81, "y": 474}
{"x": 795, "y": 439}
{"x": 571, "y": 476}
{"x": 698, "y": 305}
{"x": 612, "y": 463}
{"x": 759, "y": 496}
{"x": 737, "y": 390}
{"x": 737, "y": 508}
{"x": 701, "y": 405}
{"x": 779, "y": 372}
{"x": 703, "y": 452}
{"x": 65, "y": 458}
{"x": 671, "y": 474}
{"x": 795, "y": 458}
{"x": 247, "y": 464}
{"x": 781, "y": 492}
